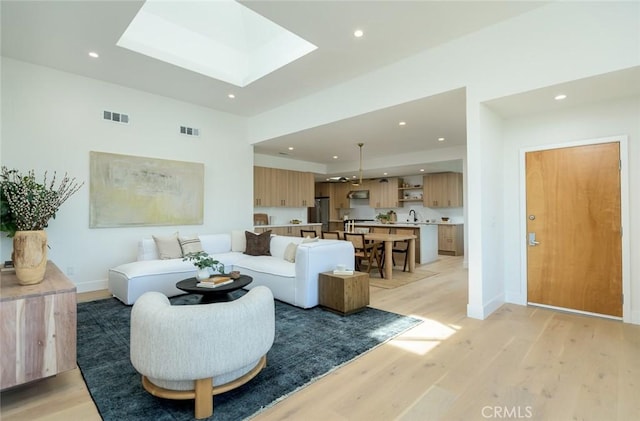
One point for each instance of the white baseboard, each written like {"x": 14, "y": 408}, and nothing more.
{"x": 515, "y": 298}
{"x": 91, "y": 286}
{"x": 493, "y": 304}
{"x": 482, "y": 312}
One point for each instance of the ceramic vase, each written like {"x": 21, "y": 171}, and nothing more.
{"x": 203, "y": 274}
{"x": 30, "y": 256}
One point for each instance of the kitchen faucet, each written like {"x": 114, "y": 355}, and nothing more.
{"x": 415, "y": 218}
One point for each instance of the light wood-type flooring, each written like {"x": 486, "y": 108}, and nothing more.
{"x": 520, "y": 363}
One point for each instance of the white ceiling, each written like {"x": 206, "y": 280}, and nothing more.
{"x": 59, "y": 34}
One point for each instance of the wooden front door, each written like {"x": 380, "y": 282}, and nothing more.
{"x": 574, "y": 243}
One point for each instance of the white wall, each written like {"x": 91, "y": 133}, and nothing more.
{"x": 611, "y": 118}
{"x": 51, "y": 120}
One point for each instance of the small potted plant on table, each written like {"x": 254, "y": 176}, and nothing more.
{"x": 383, "y": 218}
{"x": 204, "y": 262}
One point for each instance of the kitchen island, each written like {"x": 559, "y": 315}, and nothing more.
{"x": 426, "y": 238}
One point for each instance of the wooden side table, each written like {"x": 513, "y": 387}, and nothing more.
{"x": 344, "y": 294}
{"x": 37, "y": 327}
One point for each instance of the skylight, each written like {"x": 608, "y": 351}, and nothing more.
{"x": 221, "y": 39}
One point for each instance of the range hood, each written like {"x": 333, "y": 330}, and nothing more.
{"x": 358, "y": 194}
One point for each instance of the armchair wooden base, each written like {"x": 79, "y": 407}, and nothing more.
{"x": 203, "y": 391}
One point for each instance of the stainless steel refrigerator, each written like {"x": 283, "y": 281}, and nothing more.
{"x": 320, "y": 213}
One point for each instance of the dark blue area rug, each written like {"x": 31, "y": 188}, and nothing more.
{"x": 308, "y": 344}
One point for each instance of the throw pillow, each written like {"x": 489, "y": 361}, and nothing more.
{"x": 290, "y": 252}
{"x": 258, "y": 244}
{"x": 190, "y": 245}
{"x": 238, "y": 241}
{"x": 168, "y": 247}
{"x": 310, "y": 240}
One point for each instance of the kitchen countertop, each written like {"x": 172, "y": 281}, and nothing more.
{"x": 404, "y": 224}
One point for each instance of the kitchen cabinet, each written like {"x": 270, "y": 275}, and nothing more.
{"x": 263, "y": 181}
{"x": 324, "y": 189}
{"x": 385, "y": 194}
{"x": 337, "y": 194}
{"x": 336, "y": 225}
{"x": 451, "y": 239}
{"x": 442, "y": 190}
{"x": 339, "y": 200}
{"x": 292, "y": 230}
{"x": 274, "y": 187}
{"x": 300, "y": 188}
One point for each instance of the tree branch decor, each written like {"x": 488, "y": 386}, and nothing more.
{"x": 28, "y": 205}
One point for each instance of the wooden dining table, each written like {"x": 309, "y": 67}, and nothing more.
{"x": 388, "y": 240}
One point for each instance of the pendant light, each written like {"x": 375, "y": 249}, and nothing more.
{"x": 360, "y": 145}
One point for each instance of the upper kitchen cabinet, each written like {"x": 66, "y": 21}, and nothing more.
{"x": 324, "y": 189}
{"x": 384, "y": 194}
{"x": 339, "y": 199}
{"x": 443, "y": 190}
{"x": 300, "y": 186}
{"x": 282, "y": 188}
{"x": 264, "y": 192}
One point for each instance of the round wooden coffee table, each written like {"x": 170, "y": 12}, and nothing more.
{"x": 214, "y": 295}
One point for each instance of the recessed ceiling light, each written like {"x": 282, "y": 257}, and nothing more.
{"x": 290, "y": 148}
{"x": 93, "y": 54}
{"x": 421, "y": 169}
{"x": 358, "y": 33}
{"x": 354, "y": 176}
{"x": 231, "y": 96}
{"x": 402, "y": 123}
{"x": 335, "y": 156}
{"x": 560, "y": 97}
{"x": 384, "y": 173}
{"x": 441, "y": 139}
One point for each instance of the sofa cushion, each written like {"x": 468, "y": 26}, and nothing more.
{"x": 267, "y": 264}
{"x": 279, "y": 244}
{"x": 154, "y": 267}
{"x": 290, "y": 252}
{"x": 216, "y": 243}
{"x": 190, "y": 245}
{"x": 228, "y": 259}
{"x": 147, "y": 249}
{"x": 238, "y": 241}
{"x": 168, "y": 246}
{"x": 258, "y": 244}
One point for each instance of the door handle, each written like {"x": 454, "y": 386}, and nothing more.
{"x": 532, "y": 239}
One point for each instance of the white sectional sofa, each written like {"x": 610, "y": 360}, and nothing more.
{"x": 292, "y": 282}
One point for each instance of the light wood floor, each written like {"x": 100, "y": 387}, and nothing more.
{"x": 520, "y": 363}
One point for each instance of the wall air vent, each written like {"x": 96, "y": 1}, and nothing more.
{"x": 117, "y": 117}
{"x": 189, "y": 131}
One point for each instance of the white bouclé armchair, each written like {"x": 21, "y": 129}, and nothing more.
{"x": 198, "y": 351}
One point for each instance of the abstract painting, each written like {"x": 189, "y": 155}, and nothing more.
{"x": 137, "y": 191}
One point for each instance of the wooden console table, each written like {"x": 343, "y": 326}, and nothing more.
{"x": 37, "y": 327}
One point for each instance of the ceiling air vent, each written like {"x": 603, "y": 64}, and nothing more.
{"x": 117, "y": 117}
{"x": 189, "y": 131}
